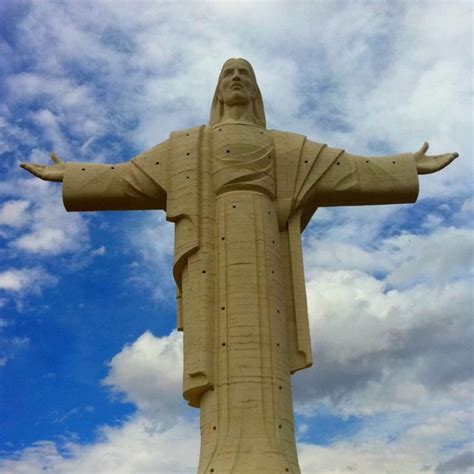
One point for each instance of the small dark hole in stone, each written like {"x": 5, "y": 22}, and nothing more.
{"x": 279, "y": 388}
{"x": 212, "y": 470}
{"x": 278, "y": 344}
{"x": 278, "y": 311}
{"x": 227, "y": 151}
{"x": 269, "y": 212}
{"x": 367, "y": 161}
{"x": 306, "y": 161}
{"x": 273, "y": 241}
{"x": 222, "y": 238}
{"x": 187, "y": 177}
{"x": 112, "y": 168}
{"x": 287, "y": 470}
{"x": 223, "y": 344}
{"x": 393, "y": 162}
{"x": 204, "y": 271}
{"x": 222, "y": 308}
{"x": 187, "y": 154}
{"x": 214, "y": 427}
{"x": 212, "y": 389}
{"x": 83, "y": 169}
{"x": 273, "y": 271}
{"x": 338, "y": 163}
{"x": 279, "y": 426}
{"x": 220, "y": 130}
{"x": 157, "y": 163}
{"x": 187, "y": 134}
{"x": 234, "y": 207}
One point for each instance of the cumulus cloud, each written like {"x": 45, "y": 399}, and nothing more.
{"x": 131, "y": 448}
{"x": 50, "y": 230}
{"x": 390, "y": 318}
{"x": 12, "y": 213}
{"x": 25, "y": 280}
{"x": 99, "y": 251}
{"x": 463, "y": 462}
{"x": 148, "y": 373}
{"x": 440, "y": 256}
{"x": 161, "y": 437}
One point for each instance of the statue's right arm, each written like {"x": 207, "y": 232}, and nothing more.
{"x": 137, "y": 184}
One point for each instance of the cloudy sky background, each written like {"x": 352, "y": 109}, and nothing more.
{"x": 90, "y": 364}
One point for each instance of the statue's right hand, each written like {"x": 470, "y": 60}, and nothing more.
{"x": 48, "y": 173}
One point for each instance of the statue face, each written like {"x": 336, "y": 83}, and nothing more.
{"x": 236, "y": 85}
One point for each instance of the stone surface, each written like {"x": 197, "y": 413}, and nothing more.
{"x": 240, "y": 196}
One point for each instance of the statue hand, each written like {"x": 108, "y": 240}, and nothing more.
{"x": 48, "y": 173}
{"x": 430, "y": 164}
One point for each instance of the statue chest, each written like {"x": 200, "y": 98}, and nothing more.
{"x": 242, "y": 159}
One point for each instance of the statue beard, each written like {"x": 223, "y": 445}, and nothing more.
{"x": 237, "y": 97}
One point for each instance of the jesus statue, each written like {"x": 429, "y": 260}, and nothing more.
{"x": 240, "y": 196}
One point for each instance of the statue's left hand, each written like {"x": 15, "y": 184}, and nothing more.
{"x": 430, "y": 164}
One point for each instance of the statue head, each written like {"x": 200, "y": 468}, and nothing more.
{"x": 237, "y": 85}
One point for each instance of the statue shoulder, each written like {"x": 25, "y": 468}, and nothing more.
{"x": 155, "y": 158}
{"x": 187, "y": 132}
{"x": 291, "y": 139}
{"x": 304, "y": 149}
{"x": 288, "y": 137}
{"x": 154, "y": 163}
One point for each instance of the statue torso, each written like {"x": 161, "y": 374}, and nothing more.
{"x": 243, "y": 159}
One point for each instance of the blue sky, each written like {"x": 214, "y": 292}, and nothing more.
{"x": 90, "y": 364}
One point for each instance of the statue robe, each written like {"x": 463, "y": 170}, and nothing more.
{"x": 179, "y": 177}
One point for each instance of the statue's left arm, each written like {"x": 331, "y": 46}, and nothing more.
{"x": 336, "y": 178}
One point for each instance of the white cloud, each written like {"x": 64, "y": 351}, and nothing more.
{"x": 468, "y": 206}
{"x": 392, "y": 337}
{"x": 12, "y": 213}
{"x": 148, "y": 373}
{"x": 378, "y": 348}
{"x": 440, "y": 256}
{"x": 99, "y": 251}
{"x": 162, "y": 437}
{"x": 25, "y": 280}
{"x": 131, "y": 448}
{"x": 51, "y": 230}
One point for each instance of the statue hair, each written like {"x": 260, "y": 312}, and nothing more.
{"x": 217, "y": 109}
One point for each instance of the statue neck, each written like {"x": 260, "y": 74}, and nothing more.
{"x": 242, "y": 113}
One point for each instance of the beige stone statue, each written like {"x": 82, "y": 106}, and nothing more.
{"x": 240, "y": 196}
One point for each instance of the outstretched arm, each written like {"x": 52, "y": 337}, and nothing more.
{"x": 332, "y": 177}
{"x": 134, "y": 185}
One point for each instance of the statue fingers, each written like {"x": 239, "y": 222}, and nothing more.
{"x": 423, "y": 149}
{"x": 36, "y": 170}
{"x": 55, "y": 158}
{"x": 436, "y": 163}
{"x": 448, "y": 158}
